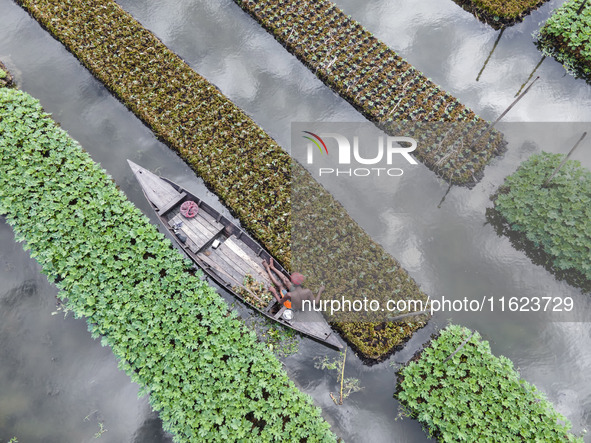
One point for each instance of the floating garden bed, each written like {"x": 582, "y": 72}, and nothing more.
{"x": 331, "y": 249}
{"x": 500, "y": 13}
{"x": 555, "y": 217}
{"x": 206, "y": 373}
{"x": 6, "y": 79}
{"x": 566, "y": 36}
{"x": 245, "y": 167}
{"x": 465, "y": 393}
{"x": 376, "y": 81}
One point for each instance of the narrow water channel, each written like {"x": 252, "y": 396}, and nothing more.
{"x": 53, "y": 375}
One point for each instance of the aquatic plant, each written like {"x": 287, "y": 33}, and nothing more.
{"x": 566, "y": 36}
{"x": 460, "y": 391}
{"x": 235, "y": 158}
{"x": 6, "y": 79}
{"x": 348, "y": 385}
{"x": 205, "y": 372}
{"x": 555, "y": 217}
{"x": 243, "y": 165}
{"x": 376, "y": 81}
{"x": 500, "y": 13}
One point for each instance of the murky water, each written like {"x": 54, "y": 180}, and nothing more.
{"x": 53, "y": 375}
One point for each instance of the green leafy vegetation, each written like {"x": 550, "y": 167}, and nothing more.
{"x": 281, "y": 340}
{"x": 5, "y": 77}
{"x": 377, "y": 82}
{"x": 555, "y": 217}
{"x": 566, "y": 36}
{"x": 475, "y": 396}
{"x": 205, "y": 372}
{"x": 245, "y": 167}
{"x": 500, "y": 13}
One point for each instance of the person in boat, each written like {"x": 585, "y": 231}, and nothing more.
{"x": 293, "y": 297}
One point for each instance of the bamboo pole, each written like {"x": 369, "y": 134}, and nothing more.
{"x": 403, "y": 316}
{"x": 343, "y": 376}
{"x": 564, "y": 160}
{"x": 444, "y": 196}
{"x": 490, "y": 126}
{"x": 531, "y": 75}
{"x": 490, "y": 54}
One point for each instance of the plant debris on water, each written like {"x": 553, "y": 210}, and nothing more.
{"x": 474, "y": 395}
{"x": 243, "y": 165}
{"x": 566, "y": 36}
{"x": 206, "y": 374}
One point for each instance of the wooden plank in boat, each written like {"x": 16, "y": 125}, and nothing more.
{"x": 192, "y": 246}
{"x": 235, "y": 245}
{"x": 204, "y": 225}
{"x": 190, "y": 230}
{"x": 210, "y": 217}
{"x": 237, "y": 265}
{"x": 198, "y": 229}
{"x": 172, "y": 203}
{"x": 207, "y": 218}
{"x": 241, "y": 263}
{"x": 222, "y": 263}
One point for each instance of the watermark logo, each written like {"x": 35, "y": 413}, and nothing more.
{"x": 316, "y": 142}
{"x": 381, "y": 155}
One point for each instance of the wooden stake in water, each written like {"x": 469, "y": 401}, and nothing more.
{"x": 531, "y": 75}
{"x": 491, "y": 53}
{"x": 564, "y": 160}
{"x": 492, "y": 125}
{"x": 444, "y": 195}
{"x": 582, "y": 6}
{"x": 343, "y": 376}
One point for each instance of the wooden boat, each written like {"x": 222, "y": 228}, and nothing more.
{"x": 226, "y": 253}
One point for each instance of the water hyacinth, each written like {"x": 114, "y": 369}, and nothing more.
{"x": 6, "y": 79}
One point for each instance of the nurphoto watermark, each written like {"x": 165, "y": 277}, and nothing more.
{"x": 351, "y": 150}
